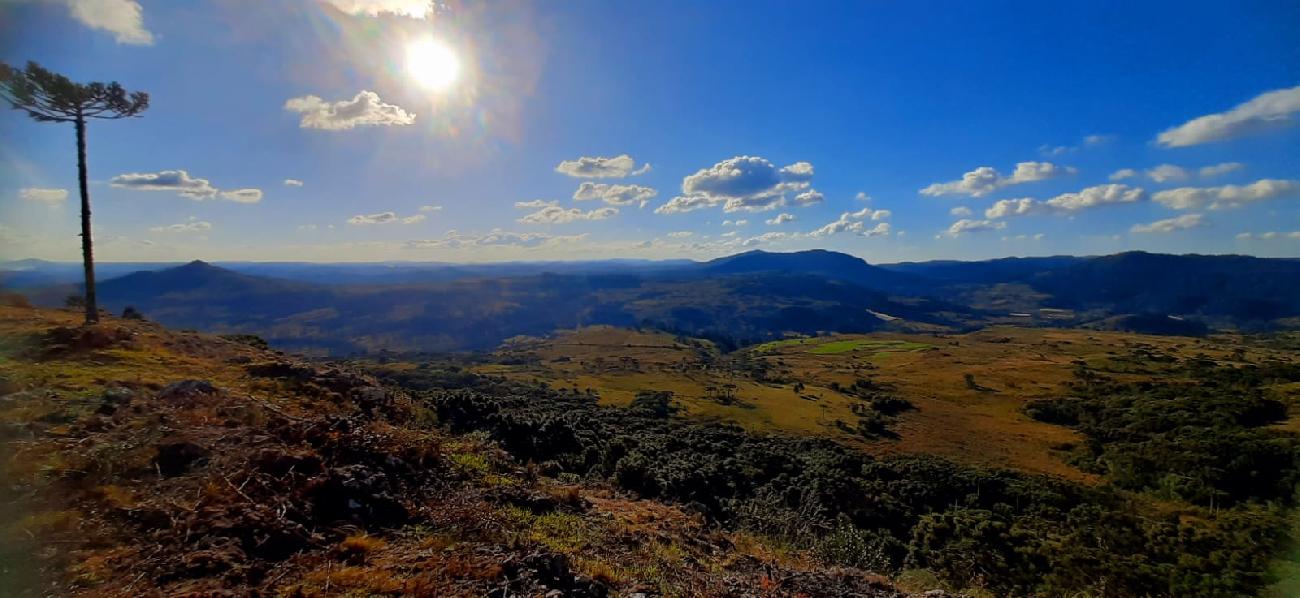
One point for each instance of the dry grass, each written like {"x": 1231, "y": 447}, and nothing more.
{"x": 985, "y": 427}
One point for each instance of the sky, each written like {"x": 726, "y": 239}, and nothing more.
{"x": 360, "y": 130}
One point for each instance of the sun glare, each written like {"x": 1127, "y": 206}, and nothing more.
{"x": 432, "y": 64}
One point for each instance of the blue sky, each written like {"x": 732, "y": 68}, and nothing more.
{"x": 1106, "y": 126}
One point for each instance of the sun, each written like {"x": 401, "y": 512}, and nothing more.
{"x": 432, "y": 64}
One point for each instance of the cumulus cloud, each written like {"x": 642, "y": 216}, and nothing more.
{"x": 414, "y": 218}
{"x": 43, "y": 195}
{"x": 430, "y": 208}
{"x": 1267, "y": 111}
{"x": 178, "y": 181}
{"x": 743, "y": 183}
{"x": 1124, "y": 173}
{"x": 1013, "y": 207}
{"x": 966, "y": 225}
{"x": 986, "y": 179}
{"x": 615, "y": 195}
{"x": 292, "y": 183}
{"x": 810, "y": 197}
{"x": 366, "y": 219}
{"x": 854, "y": 222}
{"x": 417, "y": 9}
{"x": 781, "y": 218}
{"x": 123, "y": 18}
{"x": 243, "y": 195}
{"x": 190, "y": 226}
{"x": 1227, "y": 196}
{"x": 1170, "y": 225}
{"x": 1096, "y": 196}
{"x": 862, "y": 196}
{"x": 363, "y": 110}
{"x": 497, "y": 237}
{"x": 741, "y": 222}
{"x": 681, "y": 234}
{"x": 1168, "y": 172}
{"x": 1218, "y": 169}
{"x": 550, "y": 212}
{"x": 961, "y": 212}
{"x": 616, "y": 167}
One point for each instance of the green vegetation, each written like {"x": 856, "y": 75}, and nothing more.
{"x": 1203, "y": 437}
{"x": 836, "y": 347}
{"x": 997, "y": 530}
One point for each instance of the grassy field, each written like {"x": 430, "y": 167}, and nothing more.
{"x": 976, "y": 420}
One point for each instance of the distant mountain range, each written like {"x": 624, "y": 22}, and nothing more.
{"x": 743, "y": 298}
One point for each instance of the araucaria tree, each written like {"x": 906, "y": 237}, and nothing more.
{"x": 50, "y": 97}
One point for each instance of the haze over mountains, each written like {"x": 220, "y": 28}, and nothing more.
{"x": 735, "y": 300}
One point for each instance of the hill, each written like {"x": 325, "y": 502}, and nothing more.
{"x": 139, "y": 459}
{"x": 748, "y": 298}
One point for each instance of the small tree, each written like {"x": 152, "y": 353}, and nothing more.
{"x": 47, "y": 96}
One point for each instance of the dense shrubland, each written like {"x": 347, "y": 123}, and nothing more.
{"x": 1203, "y": 436}
{"x": 1008, "y": 532}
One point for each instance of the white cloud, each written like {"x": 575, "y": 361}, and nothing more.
{"x": 730, "y": 233}
{"x": 1227, "y": 196}
{"x": 961, "y": 212}
{"x": 413, "y": 219}
{"x": 243, "y": 195}
{"x": 552, "y": 213}
{"x": 43, "y": 195}
{"x": 616, "y": 167}
{"x": 1096, "y": 196}
{"x": 534, "y": 204}
{"x": 681, "y": 234}
{"x": 307, "y": 227}
{"x": 1124, "y": 173}
{"x": 123, "y": 18}
{"x": 497, "y": 237}
{"x": 380, "y": 218}
{"x": 741, "y": 222}
{"x": 1035, "y": 237}
{"x": 178, "y": 181}
{"x": 1088, "y": 141}
{"x": 853, "y": 222}
{"x": 1170, "y": 225}
{"x": 1218, "y": 169}
{"x": 781, "y": 218}
{"x": 1267, "y": 111}
{"x": 614, "y": 195}
{"x": 192, "y": 226}
{"x": 743, "y": 183}
{"x": 1013, "y": 207}
{"x": 1168, "y": 172}
{"x": 986, "y": 179}
{"x": 1268, "y": 236}
{"x": 430, "y": 208}
{"x": 363, "y": 110}
{"x": 966, "y": 225}
{"x": 292, "y": 183}
{"x": 417, "y": 9}
{"x": 770, "y": 237}
{"x": 862, "y": 196}
{"x": 809, "y": 198}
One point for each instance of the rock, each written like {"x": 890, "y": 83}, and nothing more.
{"x": 178, "y": 458}
{"x": 186, "y": 389}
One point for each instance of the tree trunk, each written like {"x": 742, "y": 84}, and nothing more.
{"x": 87, "y": 245}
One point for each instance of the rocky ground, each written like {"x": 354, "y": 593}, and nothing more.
{"x": 142, "y": 461}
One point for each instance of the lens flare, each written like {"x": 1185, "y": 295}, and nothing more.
{"x": 432, "y": 64}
